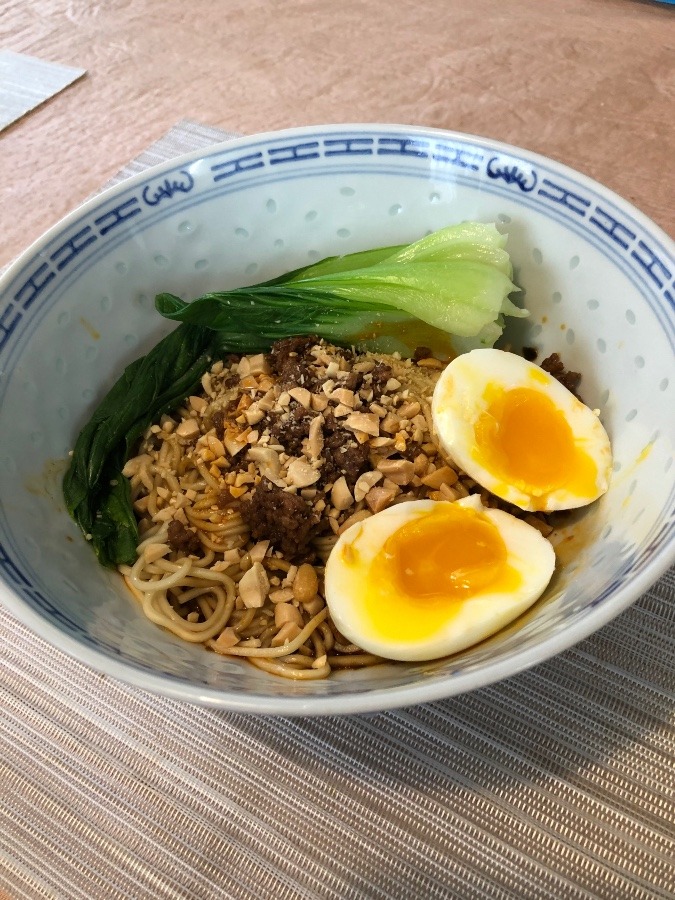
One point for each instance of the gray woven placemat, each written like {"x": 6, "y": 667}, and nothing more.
{"x": 556, "y": 783}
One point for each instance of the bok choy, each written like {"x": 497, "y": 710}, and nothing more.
{"x": 451, "y": 288}
{"x": 448, "y": 291}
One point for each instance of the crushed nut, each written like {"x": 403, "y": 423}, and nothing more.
{"x": 340, "y": 496}
{"x": 315, "y": 437}
{"x": 301, "y": 474}
{"x": 188, "y": 429}
{"x": 365, "y": 483}
{"x": 400, "y": 471}
{"x": 227, "y": 638}
{"x": 379, "y": 498}
{"x": 286, "y": 612}
{"x": 356, "y": 517}
{"x": 254, "y": 586}
{"x": 444, "y": 475}
{"x": 286, "y": 634}
{"x": 302, "y": 395}
{"x": 305, "y": 584}
{"x": 368, "y": 423}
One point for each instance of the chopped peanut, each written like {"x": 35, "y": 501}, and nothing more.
{"x": 254, "y": 414}
{"x": 365, "y": 422}
{"x": 390, "y": 424}
{"x": 341, "y": 442}
{"x": 286, "y": 634}
{"x": 254, "y": 586}
{"x": 400, "y": 471}
{"x": 448, "y": 493}
{"x": 409, "y": 410}
{"x": 305, "y": 583}
{"x": 421, "y": 464}
{"x": 315, "y": 438}
{"x": 302, "y": 474}
{"x": 258, "y": 364}
{"x": 215, "y": 446}
{"x": 286, "y": 612}
{"x": 340, "y": 496}
{"x": 199, "y": 404}
{"x": 155, "y": 551}
{"x": 282, "y": 595}
{"x": 444, "y": 475}
{"x": 302, "y": 395}
{"x": 378, "y": 498}
{"x": 227, "y": 638}
{"x": 344, "y": 396}
{"x": 267, "y": 459}
{"x": 188, "y": 429}
{"x": 365, "y": 483}
{"x": 313, "y": 606}
{"x": 258, "y": 551}
{"x": 234, "y": 442}
{"x": 319, "y": 402}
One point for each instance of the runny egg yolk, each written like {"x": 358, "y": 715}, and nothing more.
{"x": 526, "y": 440}
{"x": 427, "y": 568}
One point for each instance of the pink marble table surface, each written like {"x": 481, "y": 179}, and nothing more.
{"x": 588, "y": 82}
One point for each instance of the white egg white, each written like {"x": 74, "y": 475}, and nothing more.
{"x": 460, "y": 398}
{"x": 352, "y": 575}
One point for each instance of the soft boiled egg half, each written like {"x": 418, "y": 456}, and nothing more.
{"x": 424, "y": 578}
{"x": 519, "y": 433}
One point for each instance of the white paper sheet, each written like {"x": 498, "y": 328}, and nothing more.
{"x": 26, "y": 82}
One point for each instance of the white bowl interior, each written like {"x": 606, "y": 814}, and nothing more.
{"x": 79, "y": 306}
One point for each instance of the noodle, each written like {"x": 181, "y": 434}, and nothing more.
{"x": 153, "y": 585}
{"x": 358, "y": 660}
{"x": 289, "y": 671}
{"x": 200, "y": 572}
{"x": 284, "y": 650}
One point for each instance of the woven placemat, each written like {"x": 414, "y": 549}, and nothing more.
{"x": 556, "y": 783}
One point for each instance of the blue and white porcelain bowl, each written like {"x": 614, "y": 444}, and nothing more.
{"x": 78, "y": 306}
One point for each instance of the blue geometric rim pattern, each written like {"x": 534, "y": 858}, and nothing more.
{"x": 498, "y": 169}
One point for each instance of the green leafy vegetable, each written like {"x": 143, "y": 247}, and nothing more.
{"x": 448, "y": 291}
{"x": 452, "y": 284}
{"x": 97, "y": 495}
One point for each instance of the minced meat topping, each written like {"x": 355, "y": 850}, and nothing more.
{"x": 306, "y": 439}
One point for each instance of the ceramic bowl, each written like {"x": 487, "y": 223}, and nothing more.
{"x": 77, "y": 306}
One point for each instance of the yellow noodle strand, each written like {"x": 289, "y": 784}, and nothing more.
{"x": 354, "y": 661}
{"x": 234, "y": 526}
{"x": 163, "y": 583}
{"x": 247, "y": 617}
{"x": 284, "y": 650}
{"x": 206, "y": 475}
{"x": 162, "y": 613}
{"x": 278, "y": 668}
{"x": 157, "y": 536}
